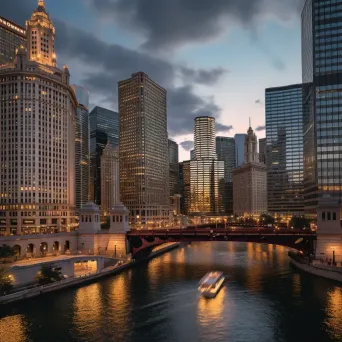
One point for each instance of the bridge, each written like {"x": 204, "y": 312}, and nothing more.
{"x": 143, "y": 241}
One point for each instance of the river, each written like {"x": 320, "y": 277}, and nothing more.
{"x": 264, "y": 299}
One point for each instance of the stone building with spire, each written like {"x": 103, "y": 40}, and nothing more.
{"x": 250, "y": 181}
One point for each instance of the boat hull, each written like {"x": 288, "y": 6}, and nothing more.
{"x": 209, "y": 294}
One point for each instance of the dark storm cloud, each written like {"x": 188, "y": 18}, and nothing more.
{"x": 17, "y": 10}
{"x": 187, "y": 145}
{"x": 220, "y": 128}
{"x": 167, "y": 24}
{"x": 260, "y": 128}
{"x": 201, "y": 76}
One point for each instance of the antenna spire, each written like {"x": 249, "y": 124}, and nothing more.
{"x": 250, "y": 125}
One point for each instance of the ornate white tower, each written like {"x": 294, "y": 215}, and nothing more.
{"x": 41, "y": 37}
{"x": 90, "y": 218}
{"x": 251, "y": 146}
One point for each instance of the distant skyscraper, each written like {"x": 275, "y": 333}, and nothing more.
{"x": 110, "y": 184}
{"x": 184, "y": 183}
{"x": 173, "y": 167}
{"x": 144, "y": 164}
{"x": 104, "y": 129}
{"x": 37, "y": 132}
{"x": 192, "y": 155}
{"x": 250, "y": 181}
{"x": 262, "y": 150}
{"x": 225, "y": 148}
{"x": 240, "y": 149}
{"x": 321, "y": 65}
{"x": 284, "y": 132}
{"x": 12, "y": 36}
{"x": 206, "y": 172}
{"x": 82, "y": 153}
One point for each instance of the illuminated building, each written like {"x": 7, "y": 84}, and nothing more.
{"x": 284, "y": 132}
{"x": 262, "y": 150}
{"x": 250, "y": 181}
{"x": 37, "y": 132}
{"x": 12, "y": 36}
{"x": 110, "y": 192}
{"x": 82, "y": 155}
{"x": 144, "y": 164}
{"x": 184, "y": 185}
{"x": 192, "y": 155}
{"x": 225, "y": 148}
{"x": 321, "y": 72}
{"x": 206, "y": 172}
{"x": 104, "y": 129}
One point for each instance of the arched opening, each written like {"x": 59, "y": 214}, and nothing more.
{"x": 55, "y": 246}
{"x": 17, "y": 250}
{"x": 43, "y": 248}
{"x": 30, "y": 249}
{"x": 67, "y": 246}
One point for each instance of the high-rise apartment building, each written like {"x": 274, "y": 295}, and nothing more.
{"x": 37, "y": 137}
{"x": 144, "y": 163}
{"x": 173, "y": 167}
{"x": 225, "y": 148}
{"x": 206, "y": 172}
{"x": 82, "y": 147}
{"x": 12, "y": 36}
{"x": 110, "y": 184}
{"x": 104, "y": 129}
{"x": 322, "y": 69}
{"x": 262, "y": 150}
{"x": 284, "y": 132}
{"x": 240, "y": 149}
{"x": 192, "y": 155}
{"x": 184, "y": 185}
{"x": 250, "y": 181}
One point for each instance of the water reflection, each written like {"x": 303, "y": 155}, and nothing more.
{"x": 334, "y": 313}
{"x": 13, "y": 328}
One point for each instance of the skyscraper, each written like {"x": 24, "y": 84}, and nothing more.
{"x": 12, "y": 36}
{"x": 240, "y": 149}
{"x": 206, "y": 172}
{"x": 37, "y": 132}
{"x": 173, "y": 167}
{"x": 192, "y": 154}
{"x": 144, "y": 164}
{"x": 225, "y": 148}
{"x": 262, "y": 150}
{"x": 184, "y": 185}
{"x": 82, "y": 153}
{"x": 104, "y": 129}
{"x": 284, "y": 132}
{"x": 322, "y": 67}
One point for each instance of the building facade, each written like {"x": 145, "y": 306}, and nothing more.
{"x": 184, "y": 185}
{"x": 12, "y": 36}
{"x": 104, "y": 129}
{"x": 239, "y": 149}
{"x": 82, "y": 147}
{"x": 262, "y": 150}
{"x": 322, "y": 67}
{"x": 173, "y": 167}
{"x": 250, "y": 181}
{"x": 144, "y": 164}
{"x": 192, "y": 155}
{"x": 206, "y": 172}
{"x": 110, "y": 183}
{"x": 285, "y": 165}
{"x": 225, "y": 148}
{"x": 37, "y": 132}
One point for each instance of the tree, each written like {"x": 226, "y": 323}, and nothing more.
{"x": 6, "y": 251}
{"x": 6, "y": 282}
{"x": 299, "y": 222}
{"x": 266, "y": 219}
{"x": 49, "y": 274}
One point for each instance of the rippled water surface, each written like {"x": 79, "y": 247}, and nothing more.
{"x": 264, "y": 299}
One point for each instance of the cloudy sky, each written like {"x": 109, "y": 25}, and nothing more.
{"x": 213, "y": 57}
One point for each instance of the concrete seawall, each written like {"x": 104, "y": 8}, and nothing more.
{"x": 318, "y": 271}
{"x": 39, "y": 290}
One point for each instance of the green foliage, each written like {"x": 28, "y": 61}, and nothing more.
{"x": 266, "y": 219}
{"x": 299, "y": 222}
{"x": 49, "y": 274}
{"x": 6, "y": 282}
{"x": 6, "y": 251}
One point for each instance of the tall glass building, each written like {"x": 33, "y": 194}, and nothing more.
{"x": 240, "y": 149}
{"x": 284, "y": 136}
{"x": 173, "y": 167}
{"x": 104, "y": 129}
{"x": 184, "y": 186}
{"x": 322, "y": 72}
{"x": 82, "y": 153}
{"x": 225, "y": 148}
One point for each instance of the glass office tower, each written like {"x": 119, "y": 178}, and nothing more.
{"x": 322, "y": 66}
{"x": 240, "y": 149}
{"x": 104, "y": 129}
{"x": 173, "y": 167}
{"x": 284, "y": 136}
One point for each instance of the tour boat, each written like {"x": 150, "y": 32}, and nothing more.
{"x": 210, "y": 284}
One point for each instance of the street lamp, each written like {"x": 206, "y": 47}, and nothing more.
{"x": 333, "y": 260}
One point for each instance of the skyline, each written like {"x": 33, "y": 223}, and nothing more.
{"x": 206, "y": 70}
